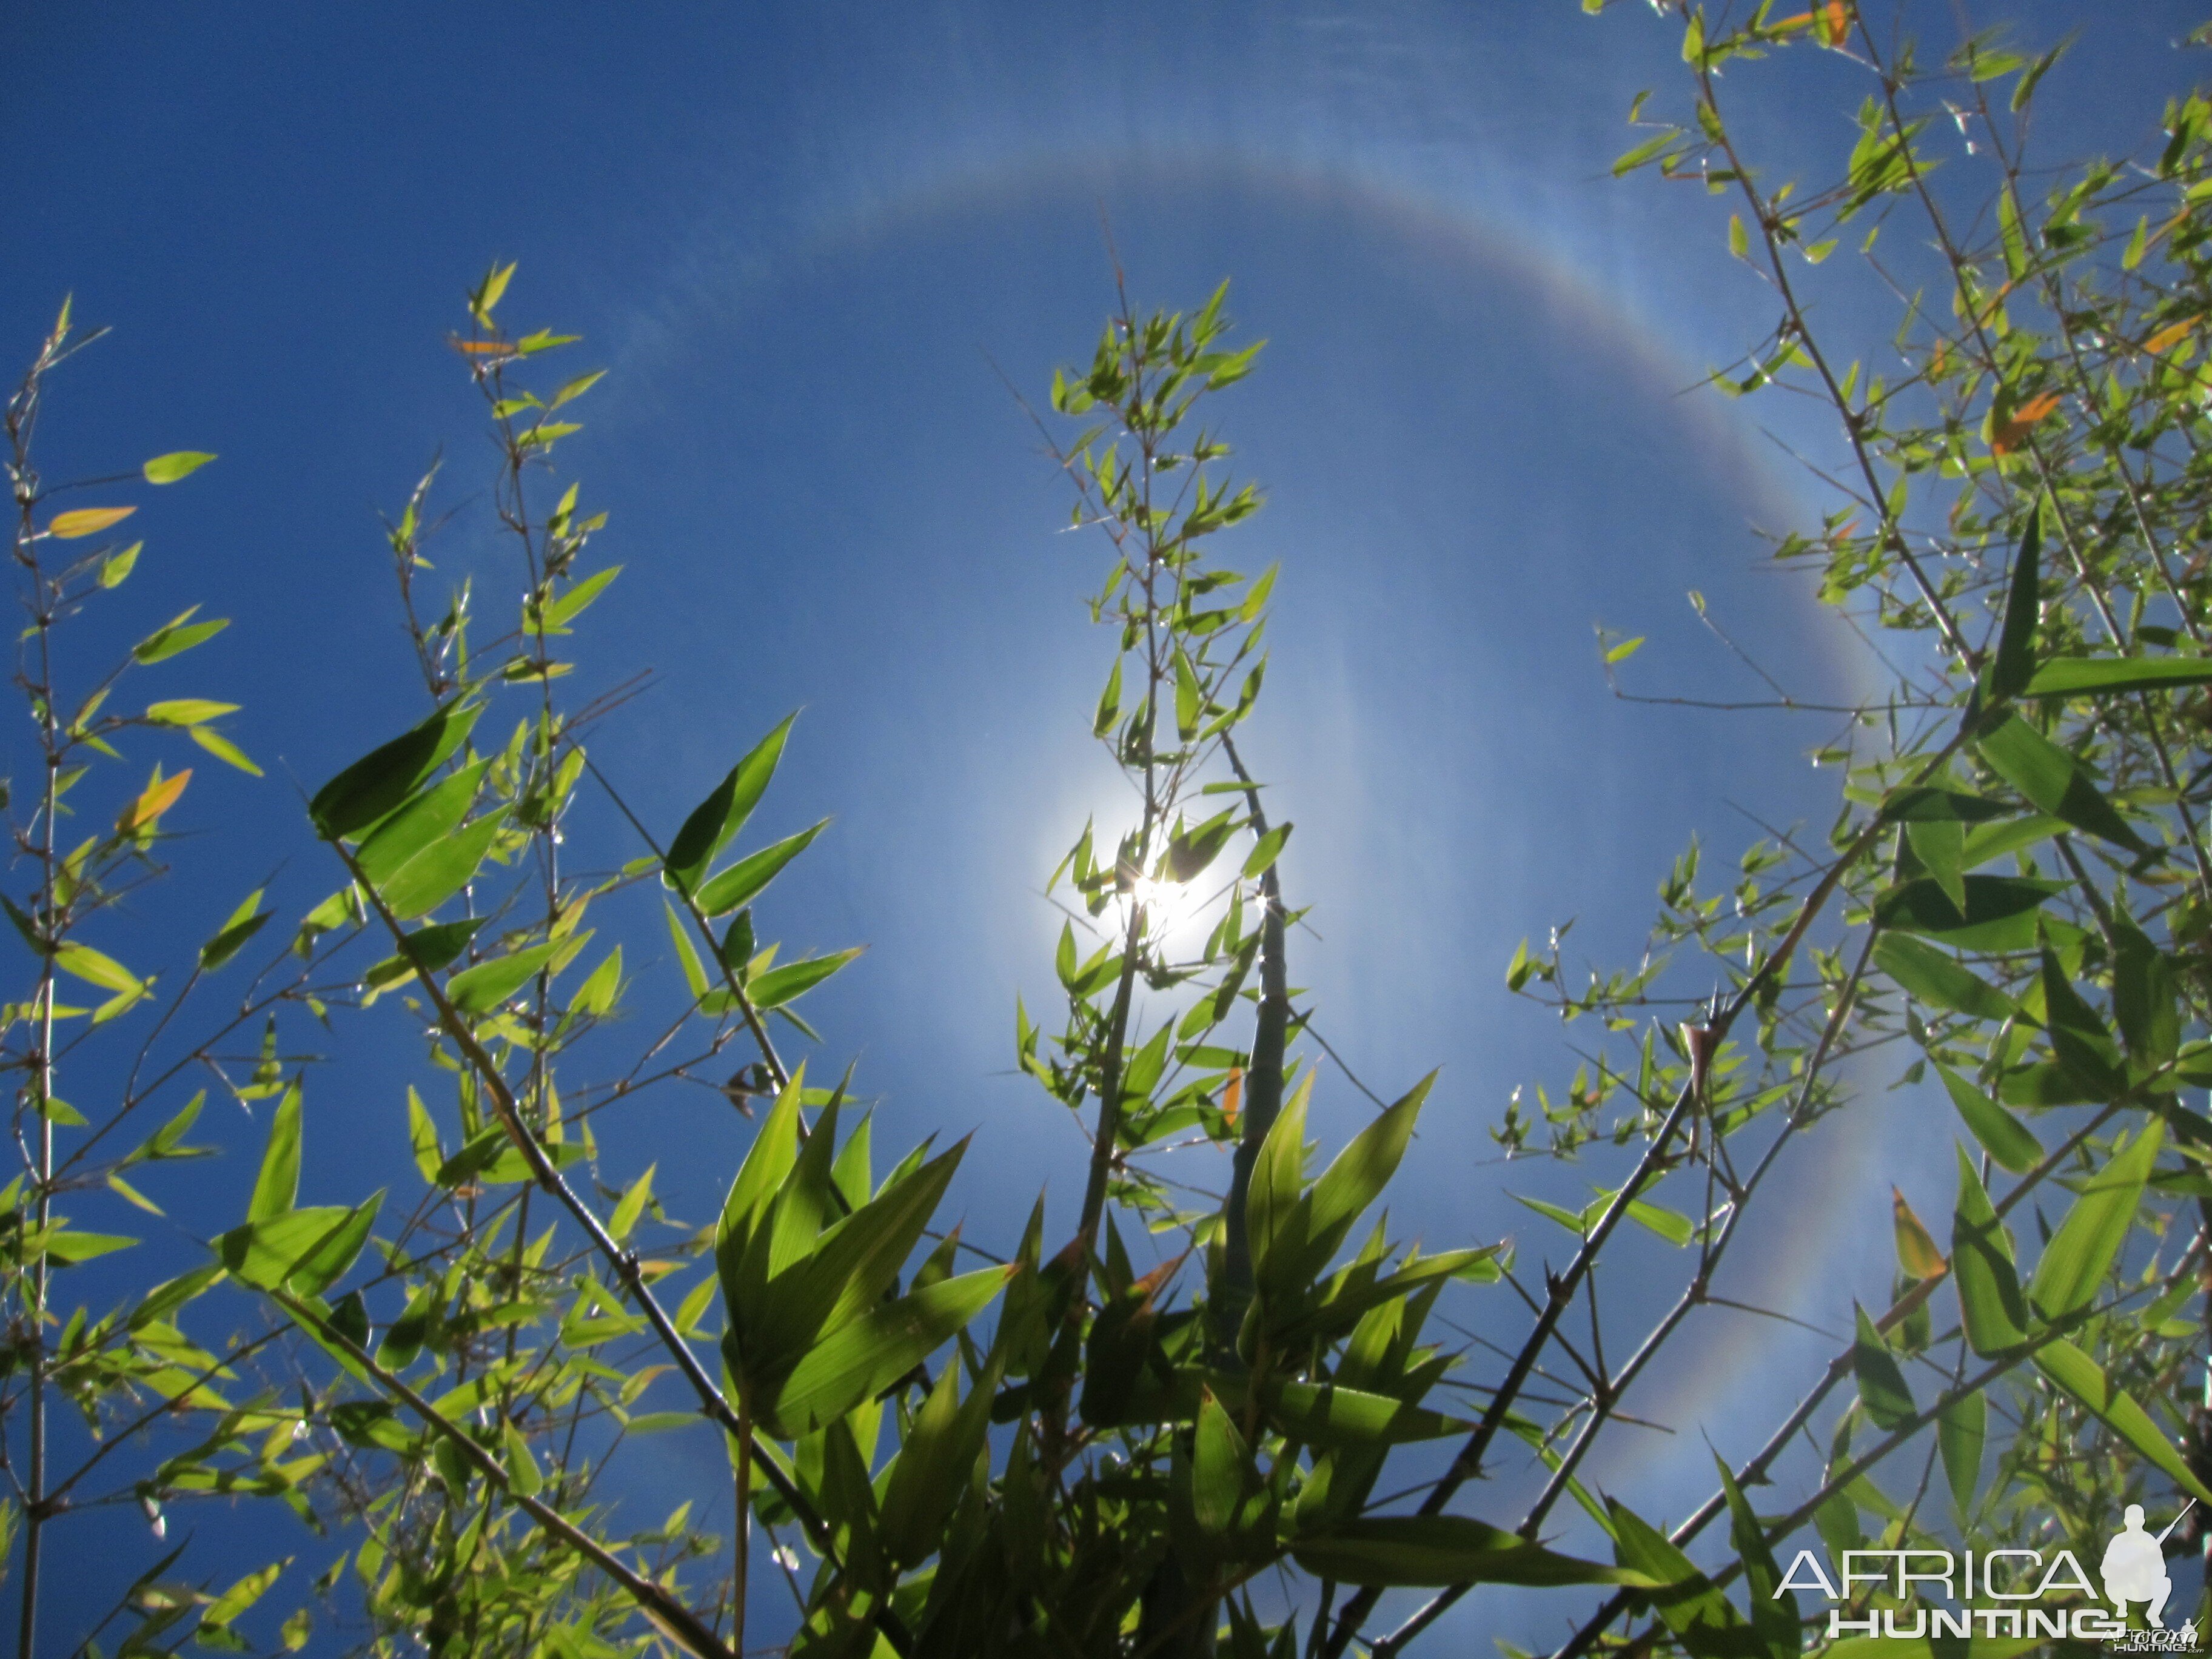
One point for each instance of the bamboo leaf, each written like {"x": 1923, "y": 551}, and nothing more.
{"x": 794, "y": 979}
{"x": 743, "y": 881}
{"x": 724, "y": 812}
{"x": 1989, "y": 1302}
{"x": 2069, "y": 676}
{"x": 177, "y": 464}
{"x": 1386, "y": 1551}
{"x": 867, "y": 1354}
{"x": 1688, "y": 1600}
{"x": 2082, "y": 1377}
{"x": 1939, "y": 979}
{"x": 1882, "y": 1388}
{"x": 480, "y": 989}
{"x": 380, "y": 779}
{"x": 2054, "y": 781}
{"x": 2001, "y": 1135}
{"x": 82, "y": 521}
{"x": 276, "y": 1187}
{"x": 1960, "y": 1429}
{"x": 2083, "y": 1251}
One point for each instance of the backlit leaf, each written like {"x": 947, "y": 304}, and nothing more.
{"x": 177, "y": 464}
{"x": 723, "y": 813}
{"x": 1444, "y": 1549}
{"x": 86, "y": 521}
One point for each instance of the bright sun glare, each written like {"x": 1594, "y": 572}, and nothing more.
{"x": 1169, "y": 906}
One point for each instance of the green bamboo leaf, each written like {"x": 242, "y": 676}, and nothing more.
{"x": 1882, "y": 1388}
{"x": 2000, "y": 912}
{"x": 59, "y": 1245}
{"x": 186, "y": 711}
{"x": 687, "y": 958}
{"x": 115, "y": 569}
{"x": 224, "y": 749}
{"x": 2145, "y": 999}
{"x": 262, "y": 1254}
{"x": 1939, "y": 979}
{"x": 853, "y": 1267}
{"x": 177, "y": 636}
{"x": 325, "y": 1262}
{"x": 2003, "y": 1136}
{"x": 1986, "y": 842}
{"x": 2082, "y": 1377}
{"x": 441, "y": 869}
{"x": 1990, "y": 1304}
{"x": 794, "y": 979}
{"x": 422, "y": 1137}
{"x": 1109, "y": 703}
{"x": 480, "y": 989}
{"x": 96, "y": 968}
{"x": 1218, "y": 1466}
{"x": 768, "y": 1162}
{"x": 2054, "y": 781}
{"x": 868, "y": 1354}
{"x": 177, "y": 464}
{"x": 572, "y": 604}
{"x": 596, "y": 995}
{"x": 2083, "y": 1251}
{"x": 424, "y": 821}
{"x": 432, "y": 949}
{"x": 1688, "y": 1600}
{"x": 1773, "y": 1610}
{"x": 743, "y": 881}
{"x": 522, "y": 1471}
{"x": 231, "y": 938}
{"x": 1326, "y": 1415}
{"x": 1435, "y": 1550}
{"x": 1266, "y": 851}
{"x": 1930, "y": 803}
{"x": 2015, "y": 663}
{"x": 487, "y": 293}
{"x": 277, "y": 1188}
{"x": 1355, "y": 1179}
{"x": 1274, "y": 1217}
{"x": 1960, "y": 1428}
{"x": 1190, "y": 700}
{"x": 931, "y": 1472}
{"x": 1348, "y": 1296}
{"x": 226, "y": 1608}
{"x": 1940, "y": 847}
{"x": 723, "y": 813}
{"x": 384, "y": 777}
{"x": 2067, "y": 676}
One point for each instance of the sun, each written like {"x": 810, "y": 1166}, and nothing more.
{"x": 1169, "y": 906}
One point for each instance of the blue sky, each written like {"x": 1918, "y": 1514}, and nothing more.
{"x": 805, "y": 241}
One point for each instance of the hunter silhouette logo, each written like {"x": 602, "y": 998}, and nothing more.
{"x": 2134, "y": 1568}
{"x": 1999, "y": 1594}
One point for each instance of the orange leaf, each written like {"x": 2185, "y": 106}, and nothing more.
{"x": 484, "y": 348}
{"x": 1232, "y": 1097}
{"x": 2007, "y": 436}
{"x": 1916, "y": 1249}
{"x": 1835, "y": 23}
{"x": 144, "y": 812}
{"x": 86, "y": 521}
{"x": 2172, "y": 334}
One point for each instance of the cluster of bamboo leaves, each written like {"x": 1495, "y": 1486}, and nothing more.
{"x": 2006, "y": 922}
{"x": 1060, "y": 1450}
